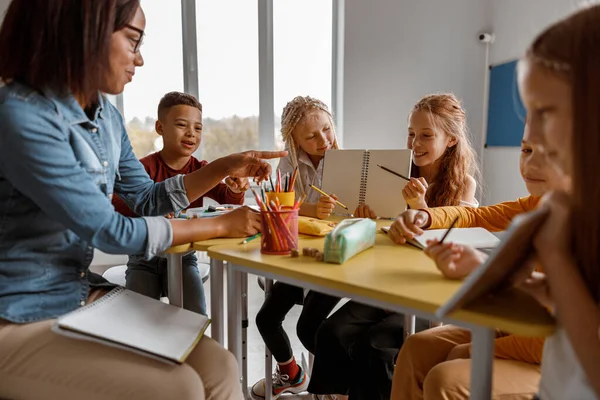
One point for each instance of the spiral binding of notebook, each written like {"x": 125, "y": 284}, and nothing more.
{"x": 364, "y": 178}
{"x": 104, "y": 299}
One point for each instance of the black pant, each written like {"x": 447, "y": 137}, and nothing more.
{"x": 283, "y": 297}
{"x": 356, "y": 352}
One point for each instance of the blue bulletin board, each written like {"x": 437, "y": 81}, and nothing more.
{"x": 506, "y": 114}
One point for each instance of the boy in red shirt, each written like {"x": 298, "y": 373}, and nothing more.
{"x": 180, "y": 124}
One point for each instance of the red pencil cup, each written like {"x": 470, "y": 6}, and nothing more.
{"x": 279, "y": 231}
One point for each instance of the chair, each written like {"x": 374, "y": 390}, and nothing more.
{"x": 116, "y": 274}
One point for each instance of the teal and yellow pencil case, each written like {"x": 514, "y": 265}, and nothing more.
{"x": 349, "y": 238}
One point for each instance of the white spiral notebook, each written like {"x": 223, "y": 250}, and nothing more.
{"x": 354, "y": 177}
{"x": 137, "y": 323}
{"x": 479, "y": 238}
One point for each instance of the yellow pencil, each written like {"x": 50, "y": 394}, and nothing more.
{"x": 328, "y": 195}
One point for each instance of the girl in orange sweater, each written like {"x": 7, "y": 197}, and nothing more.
{"x": 435, "y": 364}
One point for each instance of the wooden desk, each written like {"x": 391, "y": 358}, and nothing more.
{"x": 398, "y": 278}
{"x": 217, "y": 280}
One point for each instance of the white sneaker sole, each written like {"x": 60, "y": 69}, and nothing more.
{"x": 291, "y": 390}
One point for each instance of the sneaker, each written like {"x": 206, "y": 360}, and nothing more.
{"x": 281, "y": 385}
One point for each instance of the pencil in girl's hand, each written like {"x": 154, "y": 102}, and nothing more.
{"x": 449, "y": 229}
{"x": 328, "y": 195}
{"x": 393, "y": 172}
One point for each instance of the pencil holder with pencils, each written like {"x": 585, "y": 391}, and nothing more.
{"x": 279, "y": 231}
{"x": 286, "y": 199}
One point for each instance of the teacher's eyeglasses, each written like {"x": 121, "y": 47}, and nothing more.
{"x": 140, "y": 41}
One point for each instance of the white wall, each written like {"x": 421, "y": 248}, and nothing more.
{"x": 515, "y": 23}
{"x": 397, "y": 51}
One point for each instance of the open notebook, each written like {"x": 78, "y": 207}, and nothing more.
{"x": 353, "y": 176}
{"x": 499, "y": 270}
{"x": 475, "y": 237}
{"x": 137, "y": 323}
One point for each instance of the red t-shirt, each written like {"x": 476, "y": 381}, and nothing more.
{"x": 158, "y": 171}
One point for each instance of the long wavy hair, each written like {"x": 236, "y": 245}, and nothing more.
{"x": 293, "y": 113}
{"x": 570, "y": 50}
{"x": 458, "y": 162}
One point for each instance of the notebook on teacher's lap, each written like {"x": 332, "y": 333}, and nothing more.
{"x": 137, "y": 323}
{"x": 353, "y": 176}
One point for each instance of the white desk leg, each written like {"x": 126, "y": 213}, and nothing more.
{"x": 234, "y": 314}
{"x": 217, "y": 304}
{"x": 244, "y": 294}
{"x": 268, "y": 355}
{"x": 175, "y": 279}
{"x": 482, "y": 362}
{"x": 409, "y": 325}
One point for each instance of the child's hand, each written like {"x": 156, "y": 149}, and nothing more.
{"x": 537, "y": 286}
{"x": 237, "y": 185}
{"x": 408, "y": 225}
{"x": 454, "y": 261}
{"x": 414, "y": 193}
{"x": 239, "y": 223}
{"x": 553, "y": 238}
{"x": 170, "y": 215}
{"x": 325, "y": 206}
{"x": 364, "y": 211}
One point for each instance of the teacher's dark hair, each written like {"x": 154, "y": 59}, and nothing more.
{"x": 62, "y": 45}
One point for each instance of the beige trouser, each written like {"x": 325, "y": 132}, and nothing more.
{"x": 422, "y": 371}
{"x": 36, "y": 363}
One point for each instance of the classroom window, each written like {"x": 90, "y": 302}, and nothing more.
{"x": 162, "y": 72}
{"x": 227, "y": 40}
{"x": 302, "y": 51}
{"x": 227, "y": 44}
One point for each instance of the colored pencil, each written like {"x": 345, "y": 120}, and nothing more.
{"x": 449, "y": 229}
{"x": 294, "y": 176}
{"x": 251, "y": 238}
{"x": 393, "y": 172}
{"x": 278, "y": 180}
{"x": 328, "y": 195}
{"x": 272, "y": 186}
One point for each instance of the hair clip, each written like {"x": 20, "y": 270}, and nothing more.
{"x": 554, "y": 65}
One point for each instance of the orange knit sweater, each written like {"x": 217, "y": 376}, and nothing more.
{"x": 494, "y": 218}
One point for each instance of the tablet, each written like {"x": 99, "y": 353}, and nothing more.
{"x": 499, "y": 270}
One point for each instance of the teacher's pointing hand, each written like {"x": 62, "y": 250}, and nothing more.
{"x": 251, "y": 164}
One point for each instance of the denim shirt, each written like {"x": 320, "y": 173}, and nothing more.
{"x": 58, "y": 171}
